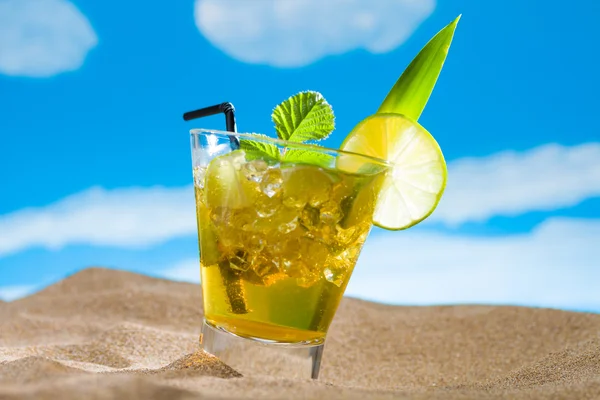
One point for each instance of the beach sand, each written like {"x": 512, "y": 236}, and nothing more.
{"x": 106, "y": 334}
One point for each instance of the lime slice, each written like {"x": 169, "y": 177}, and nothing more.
{"x": 224, "y": 184}
{"x": 415, "y": 182}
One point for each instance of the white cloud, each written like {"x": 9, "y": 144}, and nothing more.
{"x": 10, "y": 293}
{"x": 122, "y": 218}
{"x": 185, "y": 271}
{"x": 556, "y": 265}
{"x": 41, "y": 38}
{"x": 511, "y": 183}
{"x": 297, "y": 33}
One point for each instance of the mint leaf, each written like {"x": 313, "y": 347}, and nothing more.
{"x": 304, "y": 116}
{"x": 312, "y": 157}
{"x": 257, "y": 149}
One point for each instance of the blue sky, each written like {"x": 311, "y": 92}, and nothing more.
{"x": 95, "y": 156}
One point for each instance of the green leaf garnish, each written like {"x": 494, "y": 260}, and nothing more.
{"x": 258, "y": 149}
{"x": 412, "y": 90}
{"x": 303, "y": 117}
{"x": 313, "y": 157}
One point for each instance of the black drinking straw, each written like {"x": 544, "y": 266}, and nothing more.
{"x": 226, "y": 108}
{"x": 231, "y": 279}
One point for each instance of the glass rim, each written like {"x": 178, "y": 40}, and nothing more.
{"x": 286, "y": 143}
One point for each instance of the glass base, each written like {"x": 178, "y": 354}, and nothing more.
{"x": 253, "y": 356}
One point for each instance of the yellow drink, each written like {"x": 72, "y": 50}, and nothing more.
{"x": 278, "y": 243}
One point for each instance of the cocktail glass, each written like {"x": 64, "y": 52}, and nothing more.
{"x": 279, "y": 236}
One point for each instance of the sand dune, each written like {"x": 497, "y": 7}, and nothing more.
{"x": 117, "y": 335}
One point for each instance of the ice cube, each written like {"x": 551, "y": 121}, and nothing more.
{"x": 270, "y": 225}
{"x": 264, "y": 266}
{"x": 288, "y": 227}
{"x": 310, "y": 218}
{"x": 241, "y": 219}
{"x": 255, "y": 243}
{"x": 304, "y": 259}
{"x": 271, "y": 182}
{"x": 266, "y": 206}
{"x": 330, "y": 213}
{"x": 346, "y": 237}
{"x": 254, "y": 170}
{"x": 335, "y": 275}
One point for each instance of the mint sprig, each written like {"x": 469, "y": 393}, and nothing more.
{"x": 303, "y": 117}
{"x": 256, "y": 149}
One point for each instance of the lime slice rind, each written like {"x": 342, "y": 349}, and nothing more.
{"x": 416, "y": 182}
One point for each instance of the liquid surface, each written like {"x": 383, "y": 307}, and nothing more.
{"x": 278, "y": 243}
